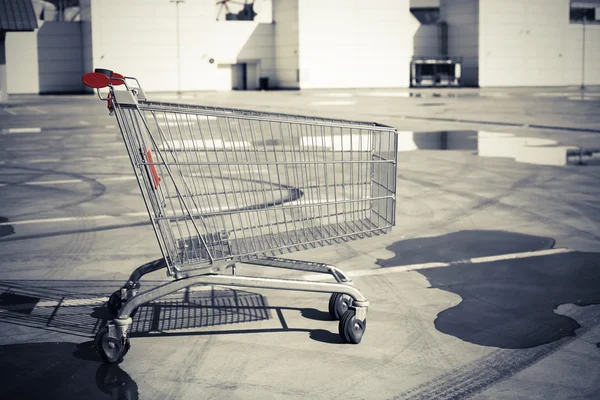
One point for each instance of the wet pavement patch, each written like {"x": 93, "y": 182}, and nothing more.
{"x": 509, "y": 303}
{"x": 461, "y": 245}
{"x": 5, "y": 230}
{"x": 529, "y": 150}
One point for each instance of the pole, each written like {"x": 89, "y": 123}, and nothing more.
{"x": 178, "y": 47}
{"x": 583, "y": 56}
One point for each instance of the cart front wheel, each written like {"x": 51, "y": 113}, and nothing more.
{"x": 352, "y": 329}
{"x": 110, "y": 349}
{"x": 338, "y": 305}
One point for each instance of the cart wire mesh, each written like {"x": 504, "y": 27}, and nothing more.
{"x": 226, "y": 184}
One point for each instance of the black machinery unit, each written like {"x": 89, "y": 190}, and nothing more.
{"x": 435, "y": 71}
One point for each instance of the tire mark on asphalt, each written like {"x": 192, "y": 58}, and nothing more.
{"x": 468, "y": 380}
{"x": 493, "y": 201}
{"x": 417, "y": 328}
{"x": 97, "y": 189}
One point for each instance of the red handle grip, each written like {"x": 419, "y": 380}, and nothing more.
{"x": 99, "y": 80}
{"x": 96, "y": 80}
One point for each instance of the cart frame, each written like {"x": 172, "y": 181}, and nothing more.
{"x": 215, "y": 255}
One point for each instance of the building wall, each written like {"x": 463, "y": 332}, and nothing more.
{"x": 59, "y": 57}
{"x": 47, "y": 60}
{"x": 22, "y": 63}
{"x": 532, "y": 43}
{"x": 147, "y": 48}
{"x": 425, "y": 39}
{"x": 462, "y": 17}
{"x": 286, "y": 46}
{"x": 86, "y": 38}
{"x": 353, "y": 43}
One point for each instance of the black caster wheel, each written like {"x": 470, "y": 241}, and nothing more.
{"x": 338, "y": 304}
{"x": 110, "y": 350}
{"x": 352, "y": 329}
{"x": 114, "y": 302}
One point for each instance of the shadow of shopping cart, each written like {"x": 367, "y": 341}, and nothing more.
{"x": 65, "y": 306}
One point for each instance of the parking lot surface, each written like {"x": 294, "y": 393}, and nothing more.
{"x": 486, "y": 288}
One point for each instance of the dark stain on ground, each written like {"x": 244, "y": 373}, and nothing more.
{"x": 461, "y": 245}
{"x": 61, "y": 371}
{"x": 5, "y": 230}
{"x": 508, "y": 303}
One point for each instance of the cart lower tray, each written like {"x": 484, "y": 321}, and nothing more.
{"x": 244, "y": 247}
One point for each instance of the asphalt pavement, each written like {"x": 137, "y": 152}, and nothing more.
{"x": 486, "y": 288}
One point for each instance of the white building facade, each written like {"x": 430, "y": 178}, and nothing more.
{"x": 304, "y": 44}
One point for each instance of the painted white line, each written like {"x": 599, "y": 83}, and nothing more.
{"x": 52, "y": 220}
{"x": 333, "y": 103}
{"x": 110, "y": 126}
{"x": 57, "y": 182}
{"x": 136, "y": 214}
{"x": 41, "y": 160}
{"x": 338, "y": 95}
{"x": 70, "y": 160}
{"x": 117, "y": 178}
{"x": 84, "y": 122}
{"x": 67, "y": 181}
{"x": 90, "y": 301}
{"x": 234, "y": 172}
{"x": 10, "y": 111}
{"x": 21, "y": 130}
{"x": 388, "y": 94}
{"x": 340, "y": 142}
{"x": 38, "y": 110}
{"x": 413, "y": 267}
{"x": 584, "y": 98}
{"x": 200, "y": 145}
{"x": 67, "y": 219}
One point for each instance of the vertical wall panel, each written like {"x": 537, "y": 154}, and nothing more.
{"x": 462, "y": 17}
{"x": 532, "y": 43}
{"x": 350, "y": 43}
{"x": 22, "y": 62}
{"x": 285, "y": 14}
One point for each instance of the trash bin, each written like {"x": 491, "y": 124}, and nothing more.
{"x": 263, "y": 83}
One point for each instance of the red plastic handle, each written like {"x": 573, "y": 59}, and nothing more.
{"x": 119, "y": 81}
{"x": 96, "y": 80}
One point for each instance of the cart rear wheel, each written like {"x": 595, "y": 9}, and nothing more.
{"x": 339, "y": 304}
{"x": 352, "y": 329}
{"x": 110, "y": 349}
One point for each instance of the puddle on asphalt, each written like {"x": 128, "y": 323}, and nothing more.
{"x": 508, "y": 303}
{"x": 527, "y": 150}
{"x": 61, "y": 370}
{"x": 5, "y": 230}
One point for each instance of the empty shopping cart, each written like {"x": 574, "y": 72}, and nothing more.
{"x": 225, "y": 187}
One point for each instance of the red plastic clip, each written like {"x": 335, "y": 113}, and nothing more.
{"x": 153, "y": 171}
{"x": 109, "y": 102}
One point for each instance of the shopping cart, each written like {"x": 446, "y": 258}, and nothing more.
{"x": 225, "y": 186}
